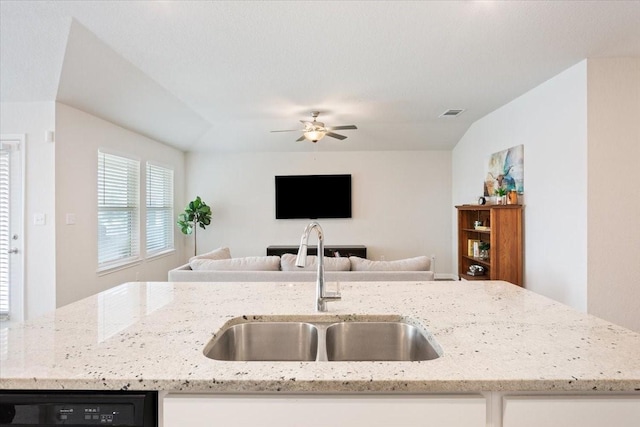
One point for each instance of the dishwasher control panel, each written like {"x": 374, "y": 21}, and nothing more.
{"x": 92, "y": 414}
{"x": 78, "y": 408}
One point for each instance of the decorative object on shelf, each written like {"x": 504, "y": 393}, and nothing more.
{"x": 476, "y": 249}
{"x": 505, "y": 170}
{"x": 484, "y": 250}
{"x": 501, "y": 192}
{"x": 482, "y": 200}
{"x": 197, "y": 213}
{"x": 512, "y": 197}
{"x": 475, "y": 270}
{"x": 471, "y": 245}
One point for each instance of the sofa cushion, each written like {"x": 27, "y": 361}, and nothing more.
{"x": 420, "y": 263}
{"x": 255, "y": 263}
{"x": 220, "y": 253}
{"x": 288, "y": 263}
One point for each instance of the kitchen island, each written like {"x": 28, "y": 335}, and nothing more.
{"x": 494, "y": 339}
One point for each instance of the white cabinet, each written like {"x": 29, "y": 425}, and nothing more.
{"x": 201, "y": 410}
{"x": 352, "y": 410}
{"x": 570, "y": 411}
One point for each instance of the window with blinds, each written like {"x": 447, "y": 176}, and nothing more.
{"x": 118, "y": 210}
{"x": 159, "y": 209}
{"x": 4, "y": 232}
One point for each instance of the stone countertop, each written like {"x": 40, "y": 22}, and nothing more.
{"x": 494, "y": 336}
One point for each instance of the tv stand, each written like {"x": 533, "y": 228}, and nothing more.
{"x": 331, "y": 251}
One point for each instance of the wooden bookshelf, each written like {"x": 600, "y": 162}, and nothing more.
{"x": 505, "y": 261}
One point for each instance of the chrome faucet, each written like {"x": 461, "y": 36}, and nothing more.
{"x": 322, "y": 296}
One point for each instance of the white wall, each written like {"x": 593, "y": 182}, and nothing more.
{"x": 401, "y": 201}
{"x": 614, "y": 190}
{"x": 78, "y": 137}
{"x": 551, "y": 122}
{"x": 33, "y": 119}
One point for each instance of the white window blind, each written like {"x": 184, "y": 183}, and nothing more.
{"x": 4, "y": 232}
{"x": 159, "y": 209}
{"x": 118, "y": 210}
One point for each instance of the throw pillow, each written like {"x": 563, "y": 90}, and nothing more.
{"x": 255, "y": 263}
{"x": 220, "y": 253}
{"x": 421, "y": 263}
{"x": 288, "y": 263}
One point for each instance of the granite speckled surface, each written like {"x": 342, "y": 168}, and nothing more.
{"x": 493, "y": 337}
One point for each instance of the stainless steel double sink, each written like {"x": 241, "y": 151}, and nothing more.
{"x": 321, "y": 341}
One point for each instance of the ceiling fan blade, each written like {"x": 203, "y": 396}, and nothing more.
{"x": 345, "y": 127}
{"x": 336, "y": 136}
{"x": 300, "y": 139}
{"x": 288, "y": 130}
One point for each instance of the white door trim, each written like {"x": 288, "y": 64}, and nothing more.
{"x": 17, "y": 292}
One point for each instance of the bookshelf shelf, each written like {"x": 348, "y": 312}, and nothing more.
{"x": 481, "y": 261}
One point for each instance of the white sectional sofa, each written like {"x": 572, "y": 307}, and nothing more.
{"x": 218, "y": 266}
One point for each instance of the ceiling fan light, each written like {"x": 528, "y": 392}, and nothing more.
{"x": 315, "y": 135}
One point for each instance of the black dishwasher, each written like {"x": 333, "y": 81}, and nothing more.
{"x": 78, "y": 408}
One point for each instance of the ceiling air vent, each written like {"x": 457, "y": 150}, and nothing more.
{"x": 451, "y": 113}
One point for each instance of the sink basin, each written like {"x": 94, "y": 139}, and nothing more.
{"x": 266, "y": 341}
{"x": 377, "y": 341}
{"x": 320, "y": 341}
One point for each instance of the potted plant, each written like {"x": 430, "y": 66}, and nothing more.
{"x": 484, "y": 249}
{"x": 501, "y": 192}
{"x": 197, "y": 213}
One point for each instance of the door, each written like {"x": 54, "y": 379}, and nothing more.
{"x": 198, "y": 410}
{"x": 570, "y": 411}
{"x": 11, "y": 228}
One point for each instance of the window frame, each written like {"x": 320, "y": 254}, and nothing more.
{"x": 135, "y": 235}
{"x": 170, "y": 225}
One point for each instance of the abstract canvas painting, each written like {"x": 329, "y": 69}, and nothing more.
{"x": 506, "y": 170}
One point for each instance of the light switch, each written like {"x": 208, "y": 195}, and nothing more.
{"x": 39, "y": 219}
{"x": 70, "y": 219}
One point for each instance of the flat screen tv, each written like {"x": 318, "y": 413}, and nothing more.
{"x": 313, "y": 196}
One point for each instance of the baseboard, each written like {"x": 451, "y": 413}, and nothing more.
{"x": 445, "y": 276}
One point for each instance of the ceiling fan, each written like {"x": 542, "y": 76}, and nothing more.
{"x": 314, "y": 131}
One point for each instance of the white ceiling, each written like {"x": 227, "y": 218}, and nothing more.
{"x": 241, "y": 69}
